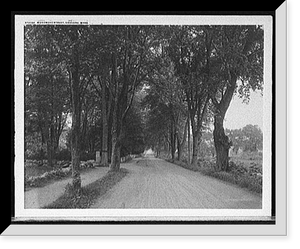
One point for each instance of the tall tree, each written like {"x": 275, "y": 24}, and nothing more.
{"x": 238, "y": 53}
{"x": 187, "y": 49}
{"x": 105, "y": 45}
{"x": 46, "y": 87}
{"x": 128, "y": 71}
{"x": 74, "y": 48}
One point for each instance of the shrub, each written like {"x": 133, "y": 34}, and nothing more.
{"x": 225, "y": 176}
{"x": 85, "y": 156}
{"x": 63, "y": 155}
{"x": 208, "y": 164}
{"x": 255, "y": 169}
{"x": 70, "y": 191}
{"x": 36, "y": 181}
{"x": 35, "y": 149}
{"x": 237, "y": 168}
{"x": 87, "y": 164}
{"x": 251, "y": 182}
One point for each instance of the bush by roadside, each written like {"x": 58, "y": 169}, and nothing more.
{"x": 245, "y": 180}
{"x": 38, "y": 181}
{"x": 63, "y": 170}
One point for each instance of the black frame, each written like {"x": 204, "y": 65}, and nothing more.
{"x": 10, "y": 216}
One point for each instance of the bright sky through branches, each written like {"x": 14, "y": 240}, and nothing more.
{"x": 240, "y": 114}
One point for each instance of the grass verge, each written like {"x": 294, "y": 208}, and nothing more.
{"x": 248, "y": 181}
{"x": 49, "y": 177}
{"x": 86, "y": 196}
{"x": 239, "y": 175}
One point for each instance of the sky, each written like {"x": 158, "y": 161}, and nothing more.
{"x": 240, "y": 114}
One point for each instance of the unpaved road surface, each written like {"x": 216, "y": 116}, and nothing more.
{"x": 40, "y": 197}
{"x": 155, "y": 183}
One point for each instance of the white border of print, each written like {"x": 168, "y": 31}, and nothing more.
{"x": 162, "y": 214}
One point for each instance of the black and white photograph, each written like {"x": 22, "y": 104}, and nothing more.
{"x": 144, "y": 118}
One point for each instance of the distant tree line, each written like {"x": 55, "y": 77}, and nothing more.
{"x": 246, "y": 139}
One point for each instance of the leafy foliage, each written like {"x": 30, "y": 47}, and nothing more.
{"x": 133, "y": 141}
{"x": 248, "y": 138}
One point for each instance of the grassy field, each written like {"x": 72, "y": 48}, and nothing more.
{"x": 248, "y": 158}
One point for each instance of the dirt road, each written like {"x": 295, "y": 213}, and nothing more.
{"x": 155, "y": 183}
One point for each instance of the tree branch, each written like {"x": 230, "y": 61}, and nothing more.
{"x": 70, "y": 82}
{"x": 214, "y": 100}
{"x": 97, "y": 90}
{"x": 225, "y": 101}
{"x": 128, "y": 107}
{"x": 83, "y": 86}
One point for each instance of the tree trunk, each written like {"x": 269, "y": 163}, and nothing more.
{"x": 157, "y": 151}
{"x": 116, "y": 153}
{"x": 75, "y": 160}
{"x": 54, "y": 141}
{"x": 189, "y": 141}
{"x": 181, "y": 143}
{"x": 172, "y": 141}
{"x": 104, "y": 156}
{"x": 221, "y": 141}
{"x": 222, "y": 144}
{"x": 195, "y": 149}
{"x": 41, "y": 151}
{"x": 47, "y": 139}
{"x": 75, "y": 130}
{"x": 56, "y": 145}
{"x": 109, "y": 135}
{"x": 179, "y": 150}
{"x": 116, "y": 139}
{"x": 75, "y": 144}
{"x": 49, "y": 154}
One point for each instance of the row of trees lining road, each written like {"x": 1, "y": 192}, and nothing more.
{"x": 162, "y": 80}
{"x": 94, "y": 63}
{"x": 204, "y": 66}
